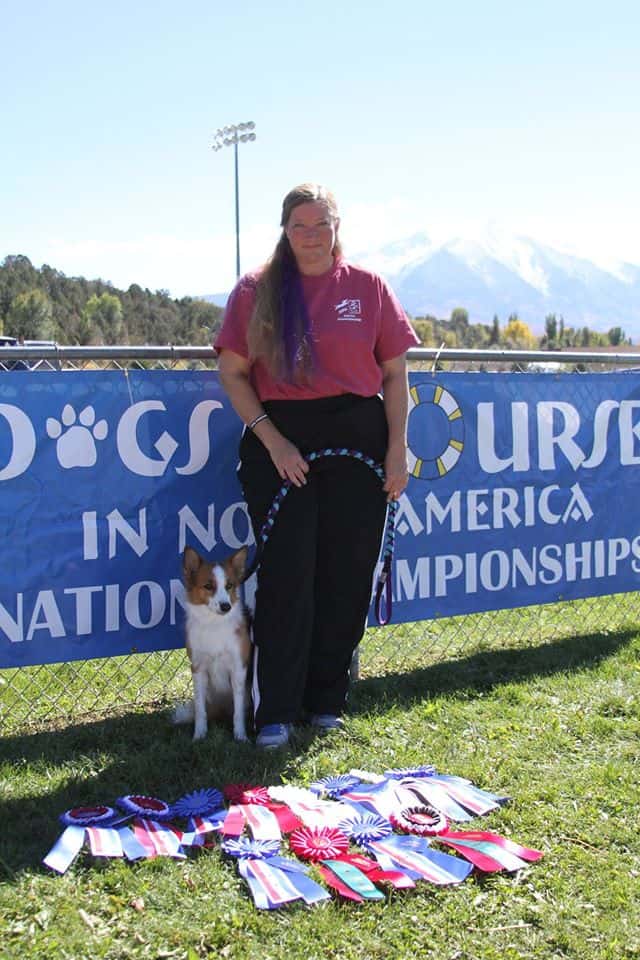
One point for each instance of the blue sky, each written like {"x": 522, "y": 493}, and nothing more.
{"x": 419, "y": 116}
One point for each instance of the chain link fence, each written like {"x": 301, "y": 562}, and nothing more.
{"x": 57, "y": 694}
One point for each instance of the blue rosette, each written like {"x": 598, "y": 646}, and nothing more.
{"x": 198, "y": 803}
{"x": 410, "y": 773}
{"x": 334, "y": 787}
{"x": 244, "y": 847}
{"x": 365, "y": 829}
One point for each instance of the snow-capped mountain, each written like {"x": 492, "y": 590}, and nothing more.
{"x": 498, "y": 273}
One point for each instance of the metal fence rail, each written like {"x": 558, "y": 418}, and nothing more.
{"x": 33, "y": 697}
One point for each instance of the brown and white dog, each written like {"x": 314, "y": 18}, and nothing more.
{"x": 218, "y": 642}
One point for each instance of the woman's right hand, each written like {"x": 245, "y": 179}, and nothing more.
{"x": 288, "y": 460}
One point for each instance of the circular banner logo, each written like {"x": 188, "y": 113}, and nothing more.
{"x": 435, "y": 431}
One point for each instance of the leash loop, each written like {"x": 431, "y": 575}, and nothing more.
{"x": 383, "y": 585}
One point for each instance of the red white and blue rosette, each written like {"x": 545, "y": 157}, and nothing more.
{"x": 140, "y": 805}
{"x": 365, "y": 828}
{"x": 334, "y": 787}
{"x": 273, "y": 880}
{"x": 99, "y": 814}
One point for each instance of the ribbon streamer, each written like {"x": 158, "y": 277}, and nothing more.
{"x": 490, "y": 852}
{"x": 434, "y": 794}
{"x": 347, "y": 880}
{"x": 472, "y": 798}
{"x": 375, "y": 873}
{"x": 65, "y": 849}
{"x": 308, "y": 808}
{"x": 413, "y": 856}
{"x": 158, "y": 839}
{"x": 383, "y": 798}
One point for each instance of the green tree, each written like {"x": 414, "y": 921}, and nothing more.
{"x": 30, "y": 316}
{"x": 616, "y": 336}
{"x": 103, "y": 316}
{"x": 495, "y": 336}
{"x": 550, "y": 338}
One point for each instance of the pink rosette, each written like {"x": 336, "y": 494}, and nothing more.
{"x": 424, "y": 821}
{"x": 325, "y": 843}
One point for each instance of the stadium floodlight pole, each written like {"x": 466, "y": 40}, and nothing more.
{"x": 225, "y": 137}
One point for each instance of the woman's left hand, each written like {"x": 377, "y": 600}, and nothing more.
{"x": 396, "y": 473}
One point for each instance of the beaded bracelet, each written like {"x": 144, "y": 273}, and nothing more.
{"x": 254, "y": 423}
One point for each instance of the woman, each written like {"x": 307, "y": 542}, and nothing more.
{"x": 305, "y": 348}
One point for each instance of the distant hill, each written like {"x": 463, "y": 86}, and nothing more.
{"x": 498, "y": 273}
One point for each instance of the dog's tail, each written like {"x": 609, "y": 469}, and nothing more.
{"x": 184, "y": 712}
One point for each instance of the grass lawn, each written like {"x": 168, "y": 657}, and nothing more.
{"x": 556, "y": 726}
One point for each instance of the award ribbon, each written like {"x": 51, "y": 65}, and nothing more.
{"x": 414, "y": 856}
{"x": 328, "y": 848}
{"x": 77, "y": 822}
{"x": 273, "y": 880}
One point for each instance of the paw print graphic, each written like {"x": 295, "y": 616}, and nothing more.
{"x": 76, "y": 436}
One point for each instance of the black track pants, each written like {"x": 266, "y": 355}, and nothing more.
{"x": 316, "y": 571}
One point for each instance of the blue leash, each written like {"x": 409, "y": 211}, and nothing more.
{"x": 383, "y": 585}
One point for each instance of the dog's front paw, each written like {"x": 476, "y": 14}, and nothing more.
{"x": 240, "y": 736}
{"x": 199, "y": 733}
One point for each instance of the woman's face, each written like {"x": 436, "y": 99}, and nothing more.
{"x": 311, "y": 231}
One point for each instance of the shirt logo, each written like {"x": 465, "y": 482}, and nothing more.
{"x": 348, "y": 310}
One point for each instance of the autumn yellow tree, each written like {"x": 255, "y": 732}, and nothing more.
{"x": 517, "y": 334}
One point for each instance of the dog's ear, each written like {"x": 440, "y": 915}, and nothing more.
{"x": 238, "y": 562}
{"x": 191, "y": 563}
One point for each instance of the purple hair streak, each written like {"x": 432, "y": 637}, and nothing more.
{"x": 299, "y": 351}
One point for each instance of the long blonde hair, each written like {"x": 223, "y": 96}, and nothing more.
{"x": 278, "y": 330}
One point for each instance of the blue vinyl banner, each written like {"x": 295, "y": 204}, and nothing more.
{"x": 523, "y": 490}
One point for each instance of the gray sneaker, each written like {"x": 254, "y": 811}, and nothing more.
{"x": 326, "y": 721}
{"x": 273, "y": 735}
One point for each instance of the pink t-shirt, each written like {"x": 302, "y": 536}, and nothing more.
{"x": 356, "y": 324}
